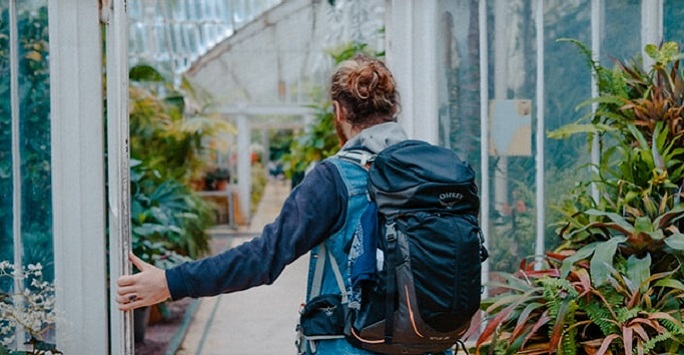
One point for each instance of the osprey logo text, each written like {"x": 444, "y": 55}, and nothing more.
{"x": 449, "y": 199}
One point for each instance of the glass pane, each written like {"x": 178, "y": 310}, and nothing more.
{"x": 567, "y": 82}
{"x": 673, "y": 20}
{"x": 34, "y": 149}
{"x": 6, "y": 213}
{"x": 512, "y": 78}
{"x": 34, "y": 111}
{"x": 621, "y": 30}
{"x": 458, "y": 76}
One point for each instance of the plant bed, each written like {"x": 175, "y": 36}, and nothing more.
{"x": 161, "y": 335}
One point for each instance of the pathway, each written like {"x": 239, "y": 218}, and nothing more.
{"x": 257, "y": 321}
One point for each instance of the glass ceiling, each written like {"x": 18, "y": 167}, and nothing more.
{"x": 172, "y": 34}
{"x": 251, "y": 52}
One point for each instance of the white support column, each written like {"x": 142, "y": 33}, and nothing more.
{"x": 651, "y": 27}
{"x": 118, "y": 171}
{"x": 412, "y": 56}
{"x": 16, "y": 161}
{"x": 78, "y": 176}
{"x": 244, "y": 166}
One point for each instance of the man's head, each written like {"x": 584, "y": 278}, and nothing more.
{"x": 364, "y": 94}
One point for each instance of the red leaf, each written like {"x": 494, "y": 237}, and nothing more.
{"x": 606, "y": 344}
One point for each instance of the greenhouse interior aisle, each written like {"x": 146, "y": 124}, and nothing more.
{"x": 261, "y": 320}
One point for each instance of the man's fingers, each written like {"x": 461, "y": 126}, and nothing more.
{"x": 126, "y": 280}
{"x": 125, "y": 290}
{"x": 141, "y": 265}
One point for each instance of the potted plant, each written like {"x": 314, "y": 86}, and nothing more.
{"x": 217, "y": 179}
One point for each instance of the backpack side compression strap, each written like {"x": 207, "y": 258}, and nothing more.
{"x": 390, "y": 286}
{"x": 318, "y": 274}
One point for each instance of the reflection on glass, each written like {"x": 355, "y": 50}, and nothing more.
{"x": 27, "y": 267}
{"x": 6, "y": 213}
{"x": 34, "y": 130}
{"x": 621, "y": 30}
{"x": 673, "y": 20}
{"x": 459, "y": 79}
{"x": 567, "y": 82}
{"x": 512, "y": 76}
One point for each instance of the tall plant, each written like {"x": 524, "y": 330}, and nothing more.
{"x": 614, "y": 286}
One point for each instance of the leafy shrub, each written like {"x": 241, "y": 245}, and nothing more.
{"x": 615, "y": 283}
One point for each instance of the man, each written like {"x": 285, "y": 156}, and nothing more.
{"x": 323, "y": 209}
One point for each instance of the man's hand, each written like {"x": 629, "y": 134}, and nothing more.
{"x": 143, "y": 289}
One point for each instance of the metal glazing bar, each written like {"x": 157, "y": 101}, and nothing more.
{"x": 596, "y": 12}
{"x": 540, "y": 138}
{"x": 484, "y": 134}
{"x": 16, "y": 159}
{"x": 121, "y": 323}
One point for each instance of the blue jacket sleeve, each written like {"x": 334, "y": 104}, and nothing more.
{"x": 314, "y": 210}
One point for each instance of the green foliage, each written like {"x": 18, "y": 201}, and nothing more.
{"x": 614, "y": 285}
{"x": 168, "y": 221}
{"x": 168, "y": 129}
{"x": 319, "y": 140}
{"x": 168, "y": 133}
{"x": 34, "y": 127}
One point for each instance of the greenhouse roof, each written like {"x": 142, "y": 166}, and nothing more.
{"x": 269, "y": 53}
{"x": 173, "y": 34}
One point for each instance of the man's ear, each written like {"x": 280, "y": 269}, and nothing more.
{"x": 338, "y": 111}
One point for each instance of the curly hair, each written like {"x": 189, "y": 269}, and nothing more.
{"x": 366, "y": 90}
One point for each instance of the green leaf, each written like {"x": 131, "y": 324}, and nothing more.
{"x": 577, "y": 128}
{"x": 670, "y": 283}
{"x": 652, "y": 51}
{"x": 601, "y": 263}
{"x": 604, "y": 99}
{"x": 142, "y": 73}
{"x": 616, "y": 218}
{"x": 675, "y": 241}
{"x": 581, "y": 254}
{"x": 638, "y": 271}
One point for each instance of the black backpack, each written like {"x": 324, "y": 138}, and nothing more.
{"x": 425, "y": 285}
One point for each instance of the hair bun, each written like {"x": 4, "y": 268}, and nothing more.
{"x": 363, "y": 82}
{"x": 366, "y": 89}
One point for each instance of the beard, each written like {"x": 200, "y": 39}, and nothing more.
{"x": 340, "y": 133}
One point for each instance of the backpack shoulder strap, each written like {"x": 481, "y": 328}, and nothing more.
{"x": 360, "y": 157}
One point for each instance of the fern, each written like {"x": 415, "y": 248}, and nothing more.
{"x": 625, "y": 314}
{"x": 555, "y": 291}
{"x": 601, "y": 317}
{"x": 652, "y": 342}
{"x": 673, "y": 328}
{"x": 569, "y": 342}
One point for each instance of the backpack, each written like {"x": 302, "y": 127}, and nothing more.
{"x": 416, "y": 255}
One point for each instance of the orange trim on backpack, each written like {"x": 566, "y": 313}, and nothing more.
{"x": 408, "y": 305}
{"x": 365, "y": 340}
